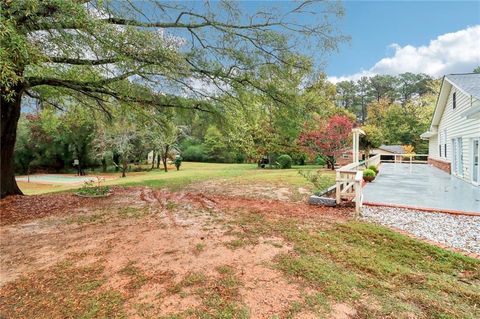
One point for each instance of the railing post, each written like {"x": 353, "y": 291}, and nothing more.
{"x": 338, "y": 189}
{"x": 357, "y": 198}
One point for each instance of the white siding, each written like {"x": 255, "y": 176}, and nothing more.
{"x": 457, "y": 126}
{"x": 433, "y": 146}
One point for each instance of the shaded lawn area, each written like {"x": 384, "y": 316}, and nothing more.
{"x": 192, "y": 172}
{"x": 157, "y": 254}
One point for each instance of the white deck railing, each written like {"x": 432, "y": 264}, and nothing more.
{"x": 405, "y": 158}
{"x": 349, "y": 178}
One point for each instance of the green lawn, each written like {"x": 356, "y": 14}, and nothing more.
{"x": 191, "y": 172}
{"x": 383, "y": 273}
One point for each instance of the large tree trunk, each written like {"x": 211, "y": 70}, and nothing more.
{"x": 164, "y": 158}
{"x": 124, "y": 168}
{"x": 116, "y": 160}
{"x": 104, "y": 165}
{"x": 10, "y": 113}
{"x": 153, "y": 160}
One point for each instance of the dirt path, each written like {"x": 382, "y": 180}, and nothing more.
{"x": 162, "y": 251}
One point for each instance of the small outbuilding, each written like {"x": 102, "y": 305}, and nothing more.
{"x": 388, "y": 150}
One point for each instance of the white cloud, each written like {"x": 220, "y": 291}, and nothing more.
{"x": 454, "y": 52}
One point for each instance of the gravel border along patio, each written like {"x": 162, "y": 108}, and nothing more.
{"x": 455, "y": 231}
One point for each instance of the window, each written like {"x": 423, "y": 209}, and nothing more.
{"x": 442, "y": 144}
{"x": 454, "y": 100}
{"x": 345, "y": 155}
{"x": 457, "y": 156}
{"x": 445, "y": 139}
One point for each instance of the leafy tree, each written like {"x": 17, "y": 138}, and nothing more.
{"x": 215, "y": 145}
{"x": 319, "y": 97}
{"x": 96, "y": 52}
{"x": 194, "y": 152}
{"x": 346, "y": 93}
{"x": 477, "y": 69}
{"x": 328, "y": 139}
{"x": 377, "y": 111}
{"x": 122, "y": 142}
{"x": 166, "y": 142}
{"x": 259, "y": 126}
{"x": 78, "y": 130}
{"x": 409, "y": 149}
{"x": 101, "y": 146}
{"x": 25, "y": 152}
{"x": 123, "y": 135}
{"x": 363, "y": 96}
{"x": 382, "y": 87}
{"x": 403, "y": 124}
{"x": 161, "y": 133}
{"x": 373, "y": 138}
{"x": 43, "y": 141}
{"x": 410, "y": 84}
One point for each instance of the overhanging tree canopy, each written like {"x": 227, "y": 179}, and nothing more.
{"x": 92, "y": 52}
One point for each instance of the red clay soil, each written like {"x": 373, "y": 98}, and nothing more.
{"x": 16, "y": 209}
{"x": 280, "y": 208}
{"x": 164, "y": 242}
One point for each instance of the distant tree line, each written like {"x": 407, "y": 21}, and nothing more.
{"x": 253, "y": 128}
{"x": 357, "y": 95}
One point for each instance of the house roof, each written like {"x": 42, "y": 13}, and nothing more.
{"x": 468, "y": 82}
{"x": 398, "y": 149}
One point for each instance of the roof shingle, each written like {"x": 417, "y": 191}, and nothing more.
{"x": 398, "y": 149}
{"x": 468, "y": 82}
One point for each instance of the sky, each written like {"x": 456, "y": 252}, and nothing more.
{"x": 435, "y": 37}
{"x": 391, "y": 37}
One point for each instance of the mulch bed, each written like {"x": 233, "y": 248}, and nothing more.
{"x": 15, "y": 209}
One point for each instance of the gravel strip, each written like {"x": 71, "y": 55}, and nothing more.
{"x": 458, "y": 231}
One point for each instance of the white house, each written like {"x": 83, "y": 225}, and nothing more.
{"x": 454, "y": 134}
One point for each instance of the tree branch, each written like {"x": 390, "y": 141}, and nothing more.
{"x": 177, "y": 24}
{"x": 82, "y": 61}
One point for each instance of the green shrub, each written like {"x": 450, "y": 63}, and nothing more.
{"x": 194, "y": 153}
{"x": 319, "y": 180}
{"x": 94, "y": 188}
{"x": 284, "y": 161}
{"x": 320, "y": 161}
{"x": 369, "y": 175}
{"x": 369, "y": 172}
{"x": 178, "y": 162}
{"x": 240, "y": 158}
{"x": 373, "y": 168}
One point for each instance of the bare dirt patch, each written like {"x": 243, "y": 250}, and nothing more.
{"x": 162, "y": 252}
{"x": 260, "y": 190}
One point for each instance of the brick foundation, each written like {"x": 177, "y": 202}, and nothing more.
{"x": 439, "y": 163}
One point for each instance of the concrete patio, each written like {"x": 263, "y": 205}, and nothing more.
{"x": 421, "y": 186}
